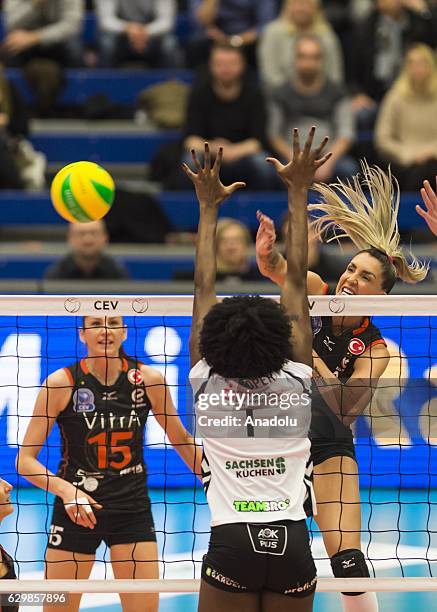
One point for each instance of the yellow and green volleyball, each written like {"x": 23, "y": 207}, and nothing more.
{"x": 82, "y": 192}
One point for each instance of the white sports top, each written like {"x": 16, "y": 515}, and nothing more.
{"x": 256, "y": 466}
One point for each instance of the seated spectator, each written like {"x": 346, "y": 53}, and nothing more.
{"x": 47, "y": 28}
{"x": 227, "y": 109}
{"x": 308, "y": 99}
{"x": 87, "y": 259}
{"x": 277, "y": 49}
{"x": 378, "y": 47}
{"x": 137, "y": 30}
{"x": 42, "y": 36}
{"x": 406, "y": 129}
{"x": 13, "y": 129}
{"x": 7, "y": 571}
{"x": 233, "y": 257}
{"x": 233, "y": 22}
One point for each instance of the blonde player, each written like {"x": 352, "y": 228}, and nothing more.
{"x": 349, "y": 355}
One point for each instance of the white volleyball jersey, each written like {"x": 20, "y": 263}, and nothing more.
{"x": 256, "y": 466}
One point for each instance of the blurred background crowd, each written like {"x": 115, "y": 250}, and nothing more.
{"x": 136, "y": 84}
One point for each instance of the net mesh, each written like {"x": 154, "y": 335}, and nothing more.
{"x": 396, "y": 437}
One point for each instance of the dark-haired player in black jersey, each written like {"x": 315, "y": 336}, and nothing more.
{"x": 349, "y": 356}
{"x": 7, "y": 571}
{"x": 101, "y": 405}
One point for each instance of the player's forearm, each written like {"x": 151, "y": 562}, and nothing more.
{"x": 37, "y": 474}
{"x": 205, "y": 263}
{"x": 190, "y": 453}
{"x": 273, "y": 266}
{"x": 346, "y": 400}
{"x": 297, "y": 237}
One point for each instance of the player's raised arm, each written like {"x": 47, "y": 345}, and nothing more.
{"x": 298, "y": 176}
{"x": 272, "y": 264}
{"x": 211, "y": 193}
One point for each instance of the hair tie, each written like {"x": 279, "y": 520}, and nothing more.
{"x": 391, "y": 260}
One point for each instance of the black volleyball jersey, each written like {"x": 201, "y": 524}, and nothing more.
{"x": 339, "y": 352}
{"x": 102, "y": 432}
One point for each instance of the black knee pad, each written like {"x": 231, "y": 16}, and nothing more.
{"x": 349, "y": 564}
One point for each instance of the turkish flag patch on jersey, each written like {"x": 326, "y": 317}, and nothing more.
{"x": 356, "y": 346}
{"x": 135, "y": 377}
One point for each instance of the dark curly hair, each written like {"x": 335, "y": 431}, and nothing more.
{"x": 246, "y": 337}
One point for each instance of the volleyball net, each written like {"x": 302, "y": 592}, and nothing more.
{"x": 396, "y": 438}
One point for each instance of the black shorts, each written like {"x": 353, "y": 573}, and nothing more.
{"x": 248, "y": 557}
{"x": 110, "y": 527}
{"x": 321, "y": 449}
{"x": 329, "y": 437}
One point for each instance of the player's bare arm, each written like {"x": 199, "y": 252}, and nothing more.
{"x": 348, "y": 400}
{"x": 211, "y": 193}
{"x": 298, "y": 176}
{"x": 51, "y": 401}
{"x": 272, "y": 264}
{"x": 165, "y": 413}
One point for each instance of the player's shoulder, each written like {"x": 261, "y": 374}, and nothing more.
{"x": 60, "y": 379}
{"x": 201, "y": 369}
{"x": 151, "y": 376}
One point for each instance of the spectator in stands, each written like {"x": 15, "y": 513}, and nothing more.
{"x": 226, "y": 108}
{"x": 50, "y": 28}
{"x": 13, "y": 123}
{"x": 277, "y": 49}
{"x": 406, "y": 129}
{"x": 377, "y": 52}
{"x": 137, "y": 30}
{"x": 307, "y": 99}
{"x": 42, "y": 36}
{"x": 87, "y": 259}
{"x": 234, "y": 22}
{"x": 233, "y": 256}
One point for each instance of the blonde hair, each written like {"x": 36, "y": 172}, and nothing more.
{"x": 226, "y": 222}
{"x": 369, "y": 224}
{"x": 320, "y": 24}
{"x": 403, "y": 84}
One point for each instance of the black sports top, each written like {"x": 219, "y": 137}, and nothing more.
{"x": 339, "y": 352}
{"x": 102, "y": 431}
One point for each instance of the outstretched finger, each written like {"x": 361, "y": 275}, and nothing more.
{"x": 320, "y": 148}
{"x": 320, "y": 162}
{"x": 309, "y": 141}
{"x": 235, "y": 186}
{"x": 218, "y": 161}
{"x": 191, "y": 175}
{"x": 423, "y": 213}
{"x": 275, "y": 162}
{"x": 429, "y": 196}
{"x": 207, "y": 157}
{"x": 196, "y": 160}
{"x": 296, "y": 143}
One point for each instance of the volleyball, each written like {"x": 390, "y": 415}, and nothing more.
{"x": 82, "y": 192}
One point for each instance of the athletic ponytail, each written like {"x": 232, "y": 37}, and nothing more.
{"x": 371, "y": 225}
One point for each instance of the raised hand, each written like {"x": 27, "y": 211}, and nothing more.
{"x": 300, "y": 171}
{"x": 210, "y": 190}
{"x": 429, "y": 197}
{"x": 266, "y": 235}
